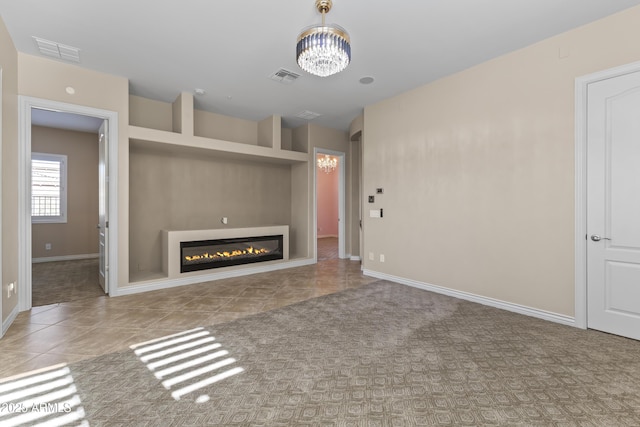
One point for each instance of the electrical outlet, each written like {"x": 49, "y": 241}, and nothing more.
{"x": 371, "y": 256}
{"x": 381, "y": 257}
{"x": 47, "y": 246}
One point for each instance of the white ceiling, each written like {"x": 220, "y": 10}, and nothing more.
{"x": 229, "y": 48}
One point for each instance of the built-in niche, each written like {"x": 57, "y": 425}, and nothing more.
{"x": 184, "y": 190}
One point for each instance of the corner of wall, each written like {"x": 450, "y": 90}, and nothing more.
{"x": 8, "y": 176}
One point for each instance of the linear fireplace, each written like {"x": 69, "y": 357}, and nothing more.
{"x": 207, "y": 254}
{"x": 202, "y": 246}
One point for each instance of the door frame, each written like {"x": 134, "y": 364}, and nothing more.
{"x": 341, "y": 199}
{"x": 24, "y": 189}
{"x": 581, "y": 104}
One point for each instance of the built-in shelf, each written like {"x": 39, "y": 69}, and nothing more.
{"x": 181, "y": 131}
{"x": 177, "y": 142}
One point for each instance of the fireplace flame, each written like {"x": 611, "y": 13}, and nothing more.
{"x": 227, "y": 254}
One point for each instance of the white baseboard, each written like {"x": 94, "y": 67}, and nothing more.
{"x": 157, "y": 284}
{"x": 9, "y": 320}
{"x": 64, "y": 258}
{"x": 355, "y": 258}
{"x": 516, "y": 308}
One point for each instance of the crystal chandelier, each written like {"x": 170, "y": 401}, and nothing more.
{"x": 327, "y": 163}
{"x": 323, "y": 50}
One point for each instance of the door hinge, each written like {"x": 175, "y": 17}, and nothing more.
{"x": 106, "y": 224}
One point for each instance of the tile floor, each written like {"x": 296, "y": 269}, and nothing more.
{"x": 89, "y": 327}
{"x": 64, "y": 281}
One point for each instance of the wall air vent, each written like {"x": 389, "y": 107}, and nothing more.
{"x": 284, "y": 76}
{"x": 307, "y": 115}
{"x": 57, "y": 50}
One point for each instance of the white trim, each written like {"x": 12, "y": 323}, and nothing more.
{"x": 491, "y": 302}
{"x": 341, "y": 199}
{"x": 154, "y": 285}
{"x": 355, "y": 258}
{"x": 64, "y": 258}
{"x": 324, "y": 236}
{"x": 24, "y": 191}
{"x": 580, "y": 231}
{"x": 10, "y": 318}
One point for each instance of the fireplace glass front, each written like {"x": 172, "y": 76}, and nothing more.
{"x": 207, "y": 254}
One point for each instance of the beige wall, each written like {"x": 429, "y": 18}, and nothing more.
{"x": 301, "y": 182}
{"x": 478, "y": 170}
{"x": 217, "y": 126}
{"x": 149, "y": 113}
{"x": 9, "y": 147}
{"x": 353, "y": 201}
{"x": 44, "y": 78}
{"x": 354, "y": 208}
{"x": 178, "y": 191}
{"x": 78, "y": 236}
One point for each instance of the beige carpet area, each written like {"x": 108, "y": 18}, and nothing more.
{"x": 379, "y": 355}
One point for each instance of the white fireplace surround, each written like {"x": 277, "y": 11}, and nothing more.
{"x": 171, "y": 245}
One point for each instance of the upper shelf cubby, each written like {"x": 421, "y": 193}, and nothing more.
{"x": 178, "y": 124}
{"x": 175, "y": 142}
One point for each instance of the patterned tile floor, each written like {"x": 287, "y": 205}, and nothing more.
{"x": 88, "y": 327}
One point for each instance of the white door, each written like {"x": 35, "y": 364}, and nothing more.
{"x": 103, "y": 221}
{"x": 613, "y": 205}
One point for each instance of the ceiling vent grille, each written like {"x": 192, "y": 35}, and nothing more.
{"x": 284, "y": 76}
{"x": 307, "y": 115}
{"x": 57, "y": 50}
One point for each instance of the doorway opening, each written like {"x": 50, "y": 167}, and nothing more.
{"x": 329, "y": 204}
{"x": 64, "y": 207}
{"x": 63, "y": 241}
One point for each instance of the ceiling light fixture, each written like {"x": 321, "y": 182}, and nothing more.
{"x": 327, "y": 163}
{"x": 323, "y": 50}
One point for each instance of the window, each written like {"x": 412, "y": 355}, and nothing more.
{"x": 48, "y": 188}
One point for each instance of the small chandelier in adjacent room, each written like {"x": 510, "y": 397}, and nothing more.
{"x": 323, "y": 50}
{"x": 327, "y": 163}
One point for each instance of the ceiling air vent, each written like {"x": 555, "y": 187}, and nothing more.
{"x": 307, "y": 115}
{"x": 57, "y": 50}
{"x": 284, "y": 76}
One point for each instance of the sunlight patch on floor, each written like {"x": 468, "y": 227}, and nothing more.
{"x": 45, "y": 397}
{"x": 187, "y": 361}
